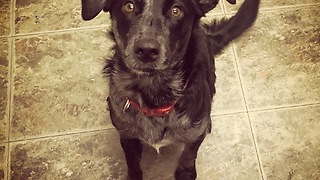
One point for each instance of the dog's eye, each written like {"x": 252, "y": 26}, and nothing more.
{"x": 128, "y": 7}
{"x": 176, "y": 12}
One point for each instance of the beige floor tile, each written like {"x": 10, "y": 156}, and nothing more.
{"x": 47, "y": 15}
{"x": 3, "y": 161}
{"x": 229, "y": 97}
{"x": 271, "y": 4}
{"x": 88, "y": 156}
{"x": 5, "y": 11}
{"x": 280, "y": 58}
{"x": 4, "y": 71}
{"x": 59, "y": 85}
{"x": 289, "y": 142}
{"x": 228, "y": 152}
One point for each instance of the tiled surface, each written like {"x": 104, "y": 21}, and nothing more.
{"x": 272, "y": 4}
{"x": 69, "y": 157}
{"x": 288, "y": 142}
{"x": 228, "y": 85}
{"x": 286, "y": 69}
{"x": 4, "y": 83}
{"x": 3, "y": 161}
{"x": 46, "y": 15}
{"x": 59, "y": 82}
{"x": 265, "y": 114}
{"x": 229, "y": 152}
{"x": 5, "y": 17}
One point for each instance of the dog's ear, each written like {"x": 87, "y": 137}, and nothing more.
{"x": 91, "y": 8}
{"x": 207, "y": 5}
{"x": 232, "y": 1}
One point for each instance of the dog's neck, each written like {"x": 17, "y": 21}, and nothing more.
{"x": 152, "y": 90}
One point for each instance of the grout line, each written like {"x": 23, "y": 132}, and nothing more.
{"x": 276, "y": 108}
{"x": 11, "y": 70}
{"x": 13, "y": 17}
{"x": 254, "y": 139}
{"x": 228, "y": 112}
{"x": 9, "y": 98}
{"x": 11, "y": 81}
{"x": 63, "y": 135}
{"x": 8, "y": 161}
{"x": 5, "y": 36}
{"x": 294, "y": 6}
{"x": 11, "y": 85}
{"x": 238, "y": 70}
{"x": 277, "y": 8}
{"x": 224, "y": 9}
{"x": 222, "y": 5}
{"x": 6, "y": 150}
{"x": 289, "y": 106}
{"x": 61, "y": 31}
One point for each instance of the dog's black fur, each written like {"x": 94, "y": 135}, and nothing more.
{"x": 164, "y": 56}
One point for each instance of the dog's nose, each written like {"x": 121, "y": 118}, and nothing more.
{"x": 147, "y": 50}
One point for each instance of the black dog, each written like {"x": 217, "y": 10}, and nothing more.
{"x": 162, "y": 74}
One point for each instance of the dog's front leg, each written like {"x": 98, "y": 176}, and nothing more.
{"x": 186, "y": 169}
{"x": 132, "y": 149}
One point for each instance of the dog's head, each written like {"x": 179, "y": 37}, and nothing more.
{"x": 151, "y": 35}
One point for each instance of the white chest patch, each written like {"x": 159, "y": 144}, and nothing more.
{"x": 162, "y": 143}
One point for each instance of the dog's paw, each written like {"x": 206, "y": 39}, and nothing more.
{"x": 135, "y": 178}
{"x": 186, "y": 174}
{"x": 135, "y": 175}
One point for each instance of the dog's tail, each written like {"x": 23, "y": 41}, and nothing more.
{"x": 221, "y": 32}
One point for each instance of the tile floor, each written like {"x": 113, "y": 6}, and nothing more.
{"x": 53, "y": 118}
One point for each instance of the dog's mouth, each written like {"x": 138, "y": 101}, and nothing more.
{"x": 148, "y": 68}
{"x": 146, "y": 71}
{"x": 153, "y": 68}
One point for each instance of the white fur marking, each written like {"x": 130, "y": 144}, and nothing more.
{"x": 162, "y": 143}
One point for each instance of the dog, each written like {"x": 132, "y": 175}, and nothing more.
{"x": 162, "y": 74}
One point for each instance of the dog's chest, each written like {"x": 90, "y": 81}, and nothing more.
{"x": 162, "y": 143}
{"x": 156, "y": 131}
{"x": 177, "y": 129}
{"x": 161, "y": 131}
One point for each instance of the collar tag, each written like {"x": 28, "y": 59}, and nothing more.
{"x": 126, "y": 106}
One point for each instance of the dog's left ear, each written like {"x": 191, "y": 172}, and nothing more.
{"x": 91, "y": 8}
{"x": 232, "y": 1}
{"x": 207, "y": 5}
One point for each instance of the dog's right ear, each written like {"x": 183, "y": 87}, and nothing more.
{"x": 232, "y": 1}
{"x": 207, "y": 5}
{"x": 91, "y": 8}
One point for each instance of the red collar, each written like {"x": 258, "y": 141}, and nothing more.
{"x": 157, "y": 112}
